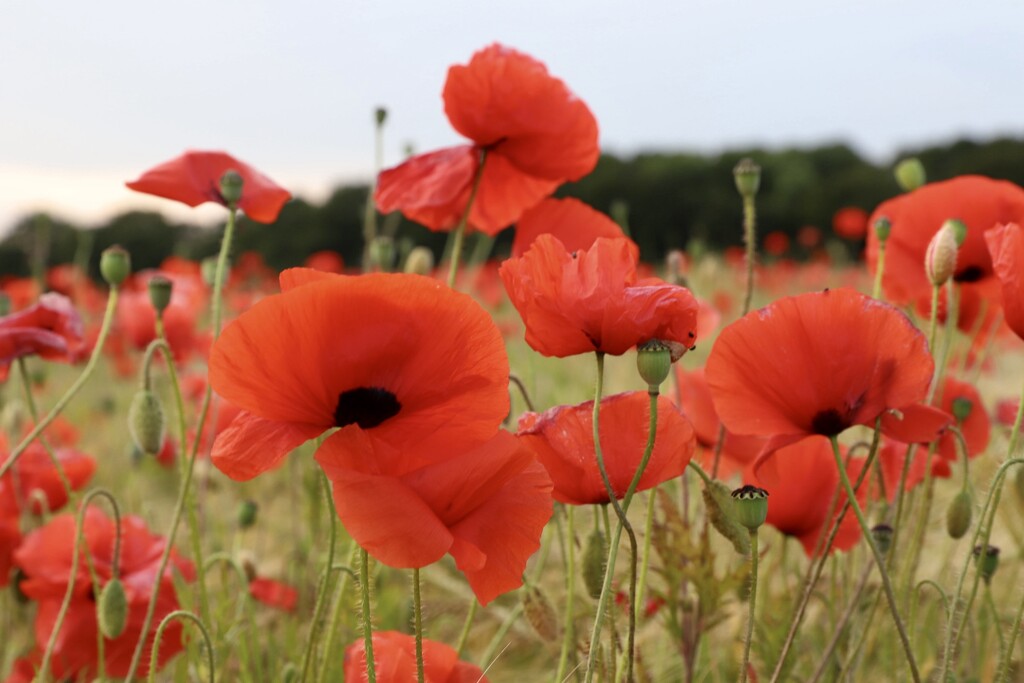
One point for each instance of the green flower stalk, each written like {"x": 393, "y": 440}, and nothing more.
{"x": 750, "y": 504}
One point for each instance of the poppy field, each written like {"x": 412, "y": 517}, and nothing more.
{"x": 556, "y": 462}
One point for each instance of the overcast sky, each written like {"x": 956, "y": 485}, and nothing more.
{"x": 94, "y": 92}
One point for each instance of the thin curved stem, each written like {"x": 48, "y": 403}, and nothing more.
{"x": 568, "y": 627}
{"x": 164, "y": 623}
{"x": 467, "y": 625}
{"x": 753, "y": 605}
{"x": 325, "y": 579}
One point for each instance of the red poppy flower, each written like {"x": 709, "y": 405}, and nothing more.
{"x": 575, "y": 224}
{"x": 975, "y": 428}
{"x": 326, "y": 260}
{"x": 808, "y": 237}
{"x": 274, "y": 593}
{"x": 593, "y": 301}
{"x": 35, "y": 484}
{"x": 817, "y": 364}
{"x": 563, "y": 440}
{"x": 194, "y": 178}
{"x": 851, "y": 222}
{"x": 136, "y": 318}
{"x": 45, "y": 557}
{"x": 394, "y": 656}
{"x": 1006, "y": 247}
{"x": 1006, "y": 411}
{"x": 50, "y": 328}
{"x": 776, "y": 243}
{"x": 536, "y": 133}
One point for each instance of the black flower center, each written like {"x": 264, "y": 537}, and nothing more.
{"x": 970, "y": 274}
{"x": 365, "y": 406}
{"x": 828, "y": 423}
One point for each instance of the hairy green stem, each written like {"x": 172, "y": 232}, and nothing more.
{"x": 460, "y": 229}
{"x": 164, "y": 623}
{"x": 364, "y": 584}
{"x": 753, "y": 606}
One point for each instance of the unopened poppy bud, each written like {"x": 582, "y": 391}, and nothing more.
{"x": 382, "y": 253}
{"x": 653, "y": 361}
{"x": 988, "y": 561}
{"x": 962, "y": 408}
{"x": 882, "y": 227}
{"x": 380, "y": 115}
{"x": 247, "y": 511}
{"x": 959, "y": 230}
{"x": 940, "y": 259}
{"x": 748, "y": 178}
{"x": 750, "y": 505}
{"x": 231, "y": 187}
{"x": 115, "y": 265}
{"x": 910, "y": 174}
{"x": 595, "y": 553}
{"x": 208, "y": 270}
{"x": 540, "y": 613}
{"x": 882, "y": 535}
{"x": 160, "y": 289}
{"x": 5, "y": 304}
{"x": 146, "y": 422}
{"x": 958, "y": 515}
{"x": 721, "y": 514}
{"x": 420, "y": 261}
{"x": 112, "y": 609}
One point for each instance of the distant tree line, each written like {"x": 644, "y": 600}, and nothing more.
{"x": 669, "y": 200}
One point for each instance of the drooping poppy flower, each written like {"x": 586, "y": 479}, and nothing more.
{"x": 851, "y": 222}
{"x": 575, "y": 224}
{"x": 593, "y": 301}
{"x": 536, "y": 135}
{"x": 50, "y": 329}
{"x": 819, "y": 363}
{"x": 394, "y": 656}
{"x": 563, "y": 439}
{"x": 274, "y": 594}
{"x": 976, "y": 427}
{"x": 416, "y": 377}
{"x": 194, "y": 178}
{"x": 45, "y": 558}
{"x": 1006, "y": 247}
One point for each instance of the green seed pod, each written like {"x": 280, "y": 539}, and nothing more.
{"x": 540, "y": 613}
{"x": 231, "y": 187}
{"x": 419, "y": 261}
{"x": 747, "y": 175}
{"x": 595, "y": 555}
{"x": 882, "y": 227}
{"x": 719, "y": 504}
{"x": 958, "y": 515}
{"x": 115, "y": 265}
{"x": 910, "y": 174}
{"x": 247, "y": 511}
{"x": 750, "y": 505}
{"x": 112, "y": 609}
{"x": 160, "y": 290}
{"x": 146, "y": 422}
{"x": 882, "y": 535}
{"x": 653, "y": 362}
{"x": 380, "y": 115}
{"x": 988, "y": 561}
{"x": 959, "y": 230}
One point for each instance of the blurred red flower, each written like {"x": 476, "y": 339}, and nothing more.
{"x": 563, "y": 438}
{"x": 45, "y": 557}
{"x": 136, "y": 318}
{"x": 394, "y": 656}
{"x": 194, "y": 178}
{"x": 33, "y": 483}
{"x": 592, "y": 300}
{"x": 50, "y": 329}
{"x": 976, "y": 428}
{"x": 851, "y": 222}
{"x": 575, "y": 224}
{"x": 776, "y": 243}
{"x": 535, "y": 132}
{"x": 1006, "y": 247}
{"x": 274, "y": 593}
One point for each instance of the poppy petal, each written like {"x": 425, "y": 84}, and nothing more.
{"x": 919, "y": 423}
{"x": 575, "y": 224}
{"x": 252, "y": 445}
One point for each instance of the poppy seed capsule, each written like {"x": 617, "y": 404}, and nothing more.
{"x": 653, "y": 361}
{"x": 958, "y": 515}
{"x": 231, "y": 187}
{"x": 987, "y": 561}
{"x": 420, "y": 261}
{"x": 540, "y": 613}
{"x": 594, "y": 554}
{"x": 882, "y": 535}
{"x": 247, "y": 511}
{"x": 722, "y": 515}
{"x": 146, "y": 422}
{"x": 112, "y": 609}
{"x": 882, "y": 228}
{"x": 160, "y": 289}
{"x": 750, "y": 504}
{"x": 940, "y": 259}
{"x": 747, "y": 175}
{"x": 115, "y": 265}
{"x": 380, "y": 115}
{"x": 962, "y": 408}
{"x": 910, "y": 174}
{"x": 959, "y": 230}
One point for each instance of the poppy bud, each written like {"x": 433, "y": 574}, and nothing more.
{"x": 420, "y": 261}
{"x": 208, "y": 270}
{"x": 987, "y": 561}
{"x": 958, "y": 515}
{"x": 653, "y": 361}
{"x": 940, "y": 259}
{"x": 231, "y": 187}
{"x": 380, "y": 115}
{"x": 595, "y": 554}
{"x": 959, "y": 230}
{"x": 112, "y": 609}
{"x": 747, "y": 175}
{"x": 882, "y": 535}
{"x": 5, "y": 304}
{"x": 883, "y": 226}
{"x": 962, "y": 408}
{"x": 247, "y": 510}
{"x": 146, "y": 422}
{"x": 721, "y": 514}
{"x": 750, "y": 504}
{"x": 382, "y": 253}
{"x": 540, "y": 613}
{"x": 160, "y": 289}
{"x": 910, "y": 174}
{"x": 115, "y": 265}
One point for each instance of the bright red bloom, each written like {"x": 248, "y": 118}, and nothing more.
{"x": 563, "y": 438}
{"x": 50, "y": 329}
{"x": 274, "y": 593}
{"x": 34, "y": 483}
{"x": 975, "y": 429}
{"x": 194, "y": 178}
{"x": 776, "y": 243}
{"x": 416, "y": 377}
{"x": 1006, "y": 246}
{"x": 592, "y": 300}
{"x": 535, "y": 132}
{"x": 45, "y": 557}
{"x": 851, "y": 222}
{"x": 817, "y": 364}
{"x": 575, "y": 224}
{"x": 394, "y": 656}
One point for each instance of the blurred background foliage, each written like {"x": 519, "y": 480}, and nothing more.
{"x": 668, "y": 200}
